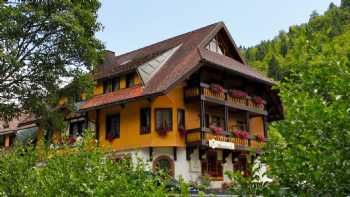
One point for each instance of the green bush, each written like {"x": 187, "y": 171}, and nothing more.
{"x": 83, "y": 170}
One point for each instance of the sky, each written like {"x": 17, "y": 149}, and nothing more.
{"x": 132, "y": 24}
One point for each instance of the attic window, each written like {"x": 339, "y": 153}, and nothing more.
{"x": 216, "y": 46}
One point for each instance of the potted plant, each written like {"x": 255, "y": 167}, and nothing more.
{"x": 110, "y": 137}
{"x": 71, "y": 139}
{"x": 237, "y": 134}
{"x": 259, "y": 138}
{"x": 238, "y": 94}
{"x": 182, "y": 130}
{"x": 258, "y": 100}
{"x": 244, "y": 135}
{"x": 217, "y": 88}
{"x": 216, "y": 130}
{"x": 164, "y": 129}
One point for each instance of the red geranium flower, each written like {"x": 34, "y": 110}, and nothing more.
{"x": 258, "y": 100}
{"x": 237, "y": 134}
{"x": 216, "y": 88}
{"x": 259, "y": 138}
{"x": 238, "y": 94}
{"x": 217, "y": 130}
{"x": 244, "y": 135}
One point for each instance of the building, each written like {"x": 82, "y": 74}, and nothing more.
{"x": 189, "y": 104}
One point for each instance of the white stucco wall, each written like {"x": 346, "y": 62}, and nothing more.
{"x": 188, "y": 170}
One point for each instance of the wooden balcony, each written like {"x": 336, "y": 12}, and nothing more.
{"x": 206, "y": 94}
{"x": 195, "y": 137}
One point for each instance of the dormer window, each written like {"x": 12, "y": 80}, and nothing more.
{"x": 130, "y": 80}
{"x": 111, "y": 85}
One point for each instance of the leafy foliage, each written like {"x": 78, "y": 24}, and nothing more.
{"x": 309, "y": 153}
{"x": 45, "y": 45}
{"x": 84, "y": 170}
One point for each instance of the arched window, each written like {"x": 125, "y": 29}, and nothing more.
{"x": 164, "y": 163}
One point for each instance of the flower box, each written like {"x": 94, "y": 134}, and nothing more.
{"x": 216, "y": 130}
{"x": 238, "y": 94}
{"x": 259, "y": 138}
{"x": 217, "y": 88}
{"x": 163, "y": 131}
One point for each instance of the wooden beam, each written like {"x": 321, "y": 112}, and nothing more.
{"x": 265, "y": 122}
{"x": 150, "y": 153}
{"x": 189, "y": 151}
{"x": 175, "y": 153}
{"x": 226, "y": 118}
{"x": 247, "y": 120}
{"x": 97, "y": 124}
{"x": 225, "y": 154}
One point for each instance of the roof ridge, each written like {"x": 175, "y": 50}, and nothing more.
{"x": 168, "y": 39}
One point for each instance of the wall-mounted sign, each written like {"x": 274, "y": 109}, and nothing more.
{"x": 222, "y": 145}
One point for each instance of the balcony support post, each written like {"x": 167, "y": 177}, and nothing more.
{"x": 202, "y": 118}
{"x": 226, "y": 118}
{"x": 265, "y": 126}
{"x": 97, "y": 124}
{"x": 247, "y": 120}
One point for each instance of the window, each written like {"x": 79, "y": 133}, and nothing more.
{"x": 211, "y": 166}
{"x": 2, "y": 140}
{"x": 145, "y": 120}
{"x": 76, "y": 128}
{"x": 112, "y": 126}
{"x": 164, "y": 119}
{"x": 181, "y": 119}
{"x": 130, "y": 80}
{"x": 111, "y": 85}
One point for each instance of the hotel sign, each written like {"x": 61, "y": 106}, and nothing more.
{"x": 220, "y": 144}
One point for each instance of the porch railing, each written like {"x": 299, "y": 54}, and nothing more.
{"x": 194, "y": 136}
{"x": 248, "y": 102}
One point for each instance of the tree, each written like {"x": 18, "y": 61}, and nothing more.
{"x": 45, "y": 45}
{"x": 345, "y": 4}
{"x": 311, "y": 153}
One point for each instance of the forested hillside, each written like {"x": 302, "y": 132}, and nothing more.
{"x": 290, "y": 51}
{"x": 309, "y": 151}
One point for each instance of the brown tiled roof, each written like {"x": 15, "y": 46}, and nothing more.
{"x": 15, "y": 123}
{"x": 133, "y": 59}
{"x": 112, "y": 97}
{"x": 186, "y": 60}
{"x": 234, "y": 65}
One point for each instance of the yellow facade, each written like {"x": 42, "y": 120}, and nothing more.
{"x": 130, "y": 137}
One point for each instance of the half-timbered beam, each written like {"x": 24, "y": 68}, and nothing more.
{"x": 97, "y": 124}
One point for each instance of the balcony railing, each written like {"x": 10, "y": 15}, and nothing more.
{"x": 206, "y": 93}
{"x": 194, "y": 137}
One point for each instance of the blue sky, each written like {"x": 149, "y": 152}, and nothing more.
{"x": 132, "y": 24}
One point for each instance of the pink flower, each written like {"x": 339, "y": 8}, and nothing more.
{"x": 237, "y": 134}
{"x": 244, "y": 135}
{"x": 259, "y": 138}
{"x": 217, "y": 130}
{"x": 238, "y": 94}
{"x": 71, "y": 139}
{"x": 258, "y": 100}
{"x": 216, "y": 88}
{"x": 163, "y": 131}
{"x": 182, "y": 131}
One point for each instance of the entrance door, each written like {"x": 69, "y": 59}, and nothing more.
{"x": 164, "y": 163}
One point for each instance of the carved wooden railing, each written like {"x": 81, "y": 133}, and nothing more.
{"x": 194, "y": 136}
{"x": 224, "y": 96}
